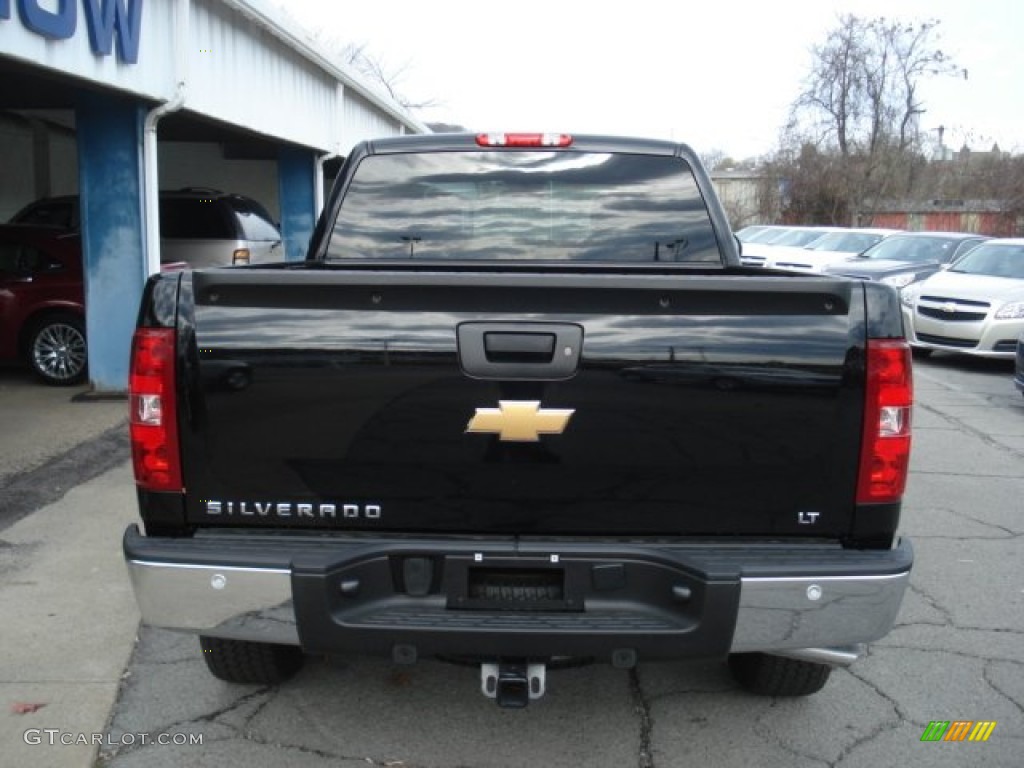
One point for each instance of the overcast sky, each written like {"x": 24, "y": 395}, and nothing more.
{"x": 717, "y": 74}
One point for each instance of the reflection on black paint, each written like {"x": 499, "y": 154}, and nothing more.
{"x": 685, "y": 421}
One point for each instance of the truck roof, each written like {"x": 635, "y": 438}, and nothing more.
{"x": 437, "y": 142}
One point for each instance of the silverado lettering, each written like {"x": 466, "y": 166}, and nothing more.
{"x": 597, "y": 434}
{"x": 287, "y": 509}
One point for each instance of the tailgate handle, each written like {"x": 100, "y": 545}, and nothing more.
{"x": 524, "y": 351}
{"x": 504, "y": 347}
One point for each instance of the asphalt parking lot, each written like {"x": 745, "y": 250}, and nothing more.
{"x": 42, "y": 424}
{"x": 956, "y": 654}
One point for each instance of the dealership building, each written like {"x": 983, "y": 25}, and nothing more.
{"x": 115, "y": 100}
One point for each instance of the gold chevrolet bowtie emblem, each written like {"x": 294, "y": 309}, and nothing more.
{"x": 520, "y": 421}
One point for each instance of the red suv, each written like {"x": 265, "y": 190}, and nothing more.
{"x": 42, "y": 304}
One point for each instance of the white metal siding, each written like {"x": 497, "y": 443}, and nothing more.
{"x": 241, "y": 74}
{"x": 361, "y": 122}
{"x": 246, "y": 65}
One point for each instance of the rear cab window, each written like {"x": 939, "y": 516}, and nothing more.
{"x": 195, "y": 219}
{"x": 538, "y": 206}
{"x": 61, "y": 214}
{"x": 253, "y": 220}
{"x": 19, "y": 259}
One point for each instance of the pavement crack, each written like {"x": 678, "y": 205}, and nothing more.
{"x": 245, "y": 732}
{"x": 256, "y": 712}
{"x": 987, "y": 676}
{"x": 981, "y": 435}
{"x": 189, "y": 659}
{"x": 769, "y": 735}
{"x": 334, "y": 756}
{"x": 878, "y": 730}
{"x": 959, "y": 628}
{"x": 878, "y": 690}
{"x": 239, "y": 702}
{"x": 997, "y": 630}
{"x": 1010, "y": 533}
{"x": 932, "y": 603}
{"x": 643, "y": 709}
{"x": 180, "y": 725}
{"x": 960, "y": 654}
{"x": 972, "y": 475}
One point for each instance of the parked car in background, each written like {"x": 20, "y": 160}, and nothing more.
{"x": 750, "y": 243}
{"x": 208, "y": 228}
{"x": 765, "y": 233}
{"x": 975, "y": 307}
{"x": 902, "y": 259}
{"x": 199, "y": 226}
{"x": 756, "y": 252}
{"x": 750, "y": 231}
{"x": 42, "y": 306}
{"x": 42, "y": 301}
{"x": 829, "y": 249}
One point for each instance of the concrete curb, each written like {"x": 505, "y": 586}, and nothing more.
{"x": 70, "y": 615}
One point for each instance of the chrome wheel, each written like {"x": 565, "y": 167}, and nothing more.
{"x": 58, "y": 352}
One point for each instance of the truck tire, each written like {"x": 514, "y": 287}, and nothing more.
{"x": 240, "y": 661}
{"x": 768, "y": 675}
{"x": 56, "y": 349}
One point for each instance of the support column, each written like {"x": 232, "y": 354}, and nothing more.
{"x": 110, "y": 132}
{"x": 296, "y": 174}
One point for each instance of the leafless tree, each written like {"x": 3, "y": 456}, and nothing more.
{"x": 379, "y": 74}
{"x": 713, "y": 159}
{"x": 859, "y": 110}
{"x": 375, "y": 71}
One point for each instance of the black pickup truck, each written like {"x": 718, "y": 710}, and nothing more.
{"x": 521, "y": 404}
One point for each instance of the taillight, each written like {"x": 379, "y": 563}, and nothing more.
{"x": 523, "y": 140}
{"x": 153, "y": 420}
{"x": 885, "y": 451}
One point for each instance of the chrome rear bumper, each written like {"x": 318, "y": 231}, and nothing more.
{"x": 818, "y": 618}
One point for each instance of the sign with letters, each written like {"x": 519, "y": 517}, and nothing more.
{"x": 106, "y": 21}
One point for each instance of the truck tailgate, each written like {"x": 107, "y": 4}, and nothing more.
{"x": 521, "y": 402}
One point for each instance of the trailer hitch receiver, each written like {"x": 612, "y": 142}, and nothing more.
{"x": 512, "y": 683}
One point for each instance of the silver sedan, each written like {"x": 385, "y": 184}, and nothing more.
{"x": 975, "y": 307}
